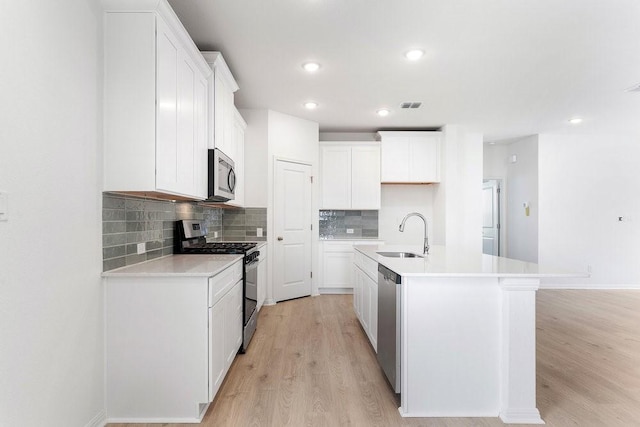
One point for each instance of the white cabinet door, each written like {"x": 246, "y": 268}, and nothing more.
{"x": 237, "y": 154}
{"x": 217, "y": 360}
{"x": 424, "y": 158}
{"x": 336, "y": 177}
{"x": 225, "y": 335}
{"x": 410, "y": 157}
{"x": 168, "y": 56}
{"x": 232, "y": 322}
{"x": 357, "y": 292}
{"x": 366, "y": 304}
{"x": 373, "y": 311}
{"x": 365, "y": 177}
{"x": 394, "y": 152}
{"x": 223, "y": 118}
{"x": 338, "y": 270}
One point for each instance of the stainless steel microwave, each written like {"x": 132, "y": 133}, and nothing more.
{"x": 222, "y": 177}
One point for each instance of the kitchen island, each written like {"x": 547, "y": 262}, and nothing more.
{"x": 467, "y": 333}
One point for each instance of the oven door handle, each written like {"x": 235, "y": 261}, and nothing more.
{"x": 252, "y": 264}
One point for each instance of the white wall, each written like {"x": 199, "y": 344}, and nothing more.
{"x": 256, "y": 146}
{"x": 51, "y": 343}
{"x": 291, "y": 138}
{"x": 522, "y": 178}
{"x": 458, "y": 220}
{"x": 396, "y": 202}
{"x": 586, "y": 183}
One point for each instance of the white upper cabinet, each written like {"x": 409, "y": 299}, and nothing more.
{"x": 350, "y": 175}
{"x": 155, "y": 103}
{"x": 237, "y": 154}
{"x": 222, "y": 85}
{"x": 410, "y": 157}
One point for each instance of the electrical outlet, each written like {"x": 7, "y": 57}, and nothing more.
{"x": 349, "y": 230}
{"x": 141, "y": 248}
{"x": 215, "y": 234}
{"x": 259, "y": 232}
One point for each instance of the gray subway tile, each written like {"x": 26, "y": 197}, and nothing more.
{"x": 135, "y": 259}
{"x": 114, "y": 239}
{"x": 112, "y": 227}
{"x": 112, "y": 202}
{"x": 113, "y": 252}
{"x": 111, "y": 264}
{"x": 135, "y": 226}
{"x": 113, "y": 215}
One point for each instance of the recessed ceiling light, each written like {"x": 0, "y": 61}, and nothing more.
{"x": 311, "y": 67}
{"x": 383, "y": 112}
{"x": 414, "y": 54}
{"x": 310, "y": 105}
{"x": 575, "y": 120}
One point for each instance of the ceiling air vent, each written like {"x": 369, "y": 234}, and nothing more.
{"x": 411, "y": 105}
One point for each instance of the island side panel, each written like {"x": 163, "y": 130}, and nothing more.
{"x": 518, "y": 401}
{"x": 450, "y": 347}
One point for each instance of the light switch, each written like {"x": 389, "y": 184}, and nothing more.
{"x": 4, "y": 206}
{"x": 140, "y": 248}
{"x": 259, "y": 232}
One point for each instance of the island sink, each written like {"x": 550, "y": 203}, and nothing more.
{"x": 400, "y": 255}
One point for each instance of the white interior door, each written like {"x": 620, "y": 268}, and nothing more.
{"x": 292, "y": 227}
{"x": 491, "y": 217}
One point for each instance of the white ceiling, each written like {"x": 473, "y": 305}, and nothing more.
{"x": 505, "y": 68}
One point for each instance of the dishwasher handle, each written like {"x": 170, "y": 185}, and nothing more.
{"x": 389, "y": 275}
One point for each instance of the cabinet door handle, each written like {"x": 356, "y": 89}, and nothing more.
{"x": 280, "y": 238}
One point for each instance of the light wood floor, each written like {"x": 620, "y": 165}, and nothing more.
{"x": 310, "y": 364}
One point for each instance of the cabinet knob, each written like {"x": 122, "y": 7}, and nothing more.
{"x": 280, "y": 238}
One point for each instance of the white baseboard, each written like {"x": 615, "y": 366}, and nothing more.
{"x": 100, "y": 420}
{"x": 531, "y": 416}
{"x": 589, "y": 286}
{"x": 336, "y": 291}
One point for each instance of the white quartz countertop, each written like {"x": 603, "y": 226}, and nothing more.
{"x": 444, "y": 261}
{"x": 177, "y": 265}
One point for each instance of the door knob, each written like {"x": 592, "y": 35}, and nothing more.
{"x": 280, "y": 238}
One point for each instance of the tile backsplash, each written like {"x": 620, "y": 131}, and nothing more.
{"x": 127, "y": 221}
{"x": 334, "y": 224}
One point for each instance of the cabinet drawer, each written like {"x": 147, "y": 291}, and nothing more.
{"x": 366, "y": 264}
{"x": 223, "y": 281}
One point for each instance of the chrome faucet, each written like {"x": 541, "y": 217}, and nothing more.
{"x": 426, "y": 240}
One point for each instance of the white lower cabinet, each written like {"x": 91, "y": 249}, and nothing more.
{"x": 169, "y": 343}
{"x": 336, "y": 265}
{"x": 225, "y": 336}
{"x": 365, "y": 295}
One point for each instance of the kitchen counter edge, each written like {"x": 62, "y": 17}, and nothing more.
{"x": 176, "y": 266}
{"x": 444, "y": 261}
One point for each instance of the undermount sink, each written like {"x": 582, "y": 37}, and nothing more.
{"x": 400, "y": 255}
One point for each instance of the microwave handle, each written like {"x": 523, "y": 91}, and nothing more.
{"x": 231, "y": 180}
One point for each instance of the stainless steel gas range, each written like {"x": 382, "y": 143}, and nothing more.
{"x": 191, "y": 239}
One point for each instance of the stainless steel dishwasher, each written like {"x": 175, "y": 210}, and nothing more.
{"x": 389, "y": 325}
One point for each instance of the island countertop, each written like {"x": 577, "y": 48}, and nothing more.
{"x": 445, "y": 261}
